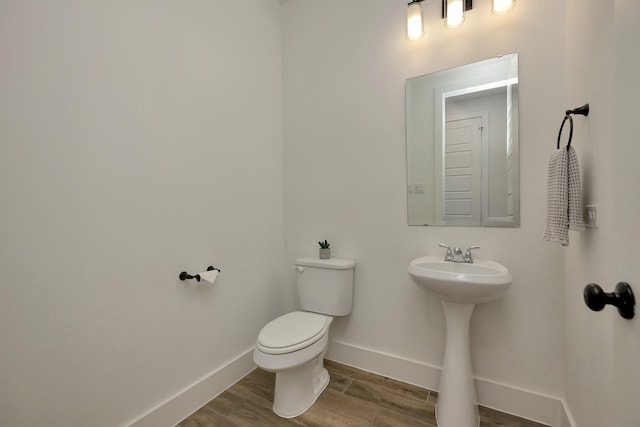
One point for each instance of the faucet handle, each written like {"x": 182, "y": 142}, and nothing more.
{"x": 467, "y": 256}
{"x": 449, "y": 254}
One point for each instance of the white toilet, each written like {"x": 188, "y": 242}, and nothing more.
{"x": 293, "y": 346}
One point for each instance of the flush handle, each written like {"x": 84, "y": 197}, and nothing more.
{"x": 622, "y": 297}
{"x": 299, "y": 269}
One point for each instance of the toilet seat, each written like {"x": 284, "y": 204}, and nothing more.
{"x": 292, "y": 332}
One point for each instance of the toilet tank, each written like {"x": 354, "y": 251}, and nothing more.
{"x": 325, "y": 286}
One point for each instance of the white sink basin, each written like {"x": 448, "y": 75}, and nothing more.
{"x": 463, "y": 283}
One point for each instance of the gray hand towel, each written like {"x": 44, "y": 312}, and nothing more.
{"x": 564, "y": 197}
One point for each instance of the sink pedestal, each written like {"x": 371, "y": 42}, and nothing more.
{"x": 460, "y": 286}
{"x": 457, "y": 399}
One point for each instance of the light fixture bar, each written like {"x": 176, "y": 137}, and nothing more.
{"x": 453, "y": 12}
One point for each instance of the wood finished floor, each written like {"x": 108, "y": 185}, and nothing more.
{"x": 352, "y": 398}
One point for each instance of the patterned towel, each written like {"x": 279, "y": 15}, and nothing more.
{"x": 564, "y": 197}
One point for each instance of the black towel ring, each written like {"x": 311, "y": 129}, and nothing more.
{"x": 568, "y": 116}
{"x": 584, "y": 111}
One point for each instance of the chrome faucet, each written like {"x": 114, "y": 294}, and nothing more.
{"x": 456, "y": 255}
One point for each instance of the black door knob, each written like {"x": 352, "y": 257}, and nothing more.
{"x": 622, "y": 297}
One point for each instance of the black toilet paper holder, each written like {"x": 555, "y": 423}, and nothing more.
{"x": 622, "y": 298}
{"x": 186, "y": 276}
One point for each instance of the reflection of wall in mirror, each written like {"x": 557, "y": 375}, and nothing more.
{"x": 420, "y": 156}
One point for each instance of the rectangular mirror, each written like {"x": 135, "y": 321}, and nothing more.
{"x": 462, "y": 145}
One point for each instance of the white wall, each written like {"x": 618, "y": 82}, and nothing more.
{"x": 345, "y": 65}
{"x": 138, "y": 139}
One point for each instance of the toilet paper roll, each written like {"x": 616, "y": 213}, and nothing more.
{"x": 209, "y": 276}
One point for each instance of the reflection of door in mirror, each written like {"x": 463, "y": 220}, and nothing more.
{"x": 490, "y": 156}
{"x": 463, "y": 172}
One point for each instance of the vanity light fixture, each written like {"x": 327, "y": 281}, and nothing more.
{"x": 502, "y": 6}
{"x": 415, "y": 29}
{"x": 452, "y": 13}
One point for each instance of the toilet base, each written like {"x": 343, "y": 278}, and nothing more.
{"x": 298, "y": 388}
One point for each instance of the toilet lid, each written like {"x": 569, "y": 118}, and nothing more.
{"x": 292, "y": 332}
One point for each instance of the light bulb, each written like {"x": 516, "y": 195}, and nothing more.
{"x": 415, "y": 29}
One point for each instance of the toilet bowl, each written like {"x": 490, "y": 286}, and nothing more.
{"x": 293, "y": 345}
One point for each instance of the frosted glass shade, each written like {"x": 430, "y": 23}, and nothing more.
{"x": 415, "y": 29}
{"x": 502, "y": 6}
{"x": 455, "y": 13}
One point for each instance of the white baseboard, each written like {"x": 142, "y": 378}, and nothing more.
{"x": 505, "y": 398}
{"x": 189, "y": 400}
{"x": 517, "y": 401}
{"x": 390, "y": 365}
{"x": 567, "y": 419}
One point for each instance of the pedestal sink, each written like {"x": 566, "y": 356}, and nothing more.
{"x": 460, "y": 286}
